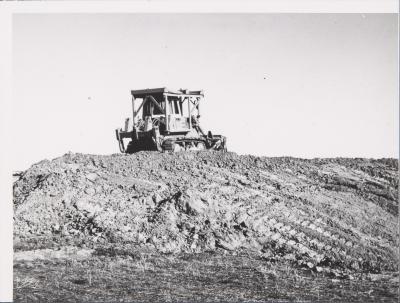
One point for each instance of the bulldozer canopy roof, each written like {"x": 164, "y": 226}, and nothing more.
{"x": 140, "y": 93}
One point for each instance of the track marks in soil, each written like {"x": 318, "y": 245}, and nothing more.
{"x": 303, "y": 210}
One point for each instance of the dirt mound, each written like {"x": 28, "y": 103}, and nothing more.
{"x": 321, "y": 213}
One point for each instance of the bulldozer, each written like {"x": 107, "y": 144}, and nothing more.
{"x": 167, "y": 120}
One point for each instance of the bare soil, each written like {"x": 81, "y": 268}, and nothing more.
{"x": 205, "y": 227}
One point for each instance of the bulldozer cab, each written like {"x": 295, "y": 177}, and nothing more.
{"x": 170, "y": 111}
{"x": 177, "y": 120}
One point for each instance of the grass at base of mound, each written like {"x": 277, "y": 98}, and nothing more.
{"x": 143, "y": 276}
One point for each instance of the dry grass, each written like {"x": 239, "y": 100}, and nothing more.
{"x": 206, "y": 277}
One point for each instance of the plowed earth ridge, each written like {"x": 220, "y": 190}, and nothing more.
{"x": 325, "y": 214}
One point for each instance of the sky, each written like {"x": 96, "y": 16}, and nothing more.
{"x": 301, "y": 85}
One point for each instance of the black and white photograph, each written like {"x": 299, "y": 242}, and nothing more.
{"x": 204, "y": 157}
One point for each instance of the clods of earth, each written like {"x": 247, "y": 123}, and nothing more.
{"x": 332, "y": 217}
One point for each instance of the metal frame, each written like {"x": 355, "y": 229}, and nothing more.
{"x": 193, "y": 102}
